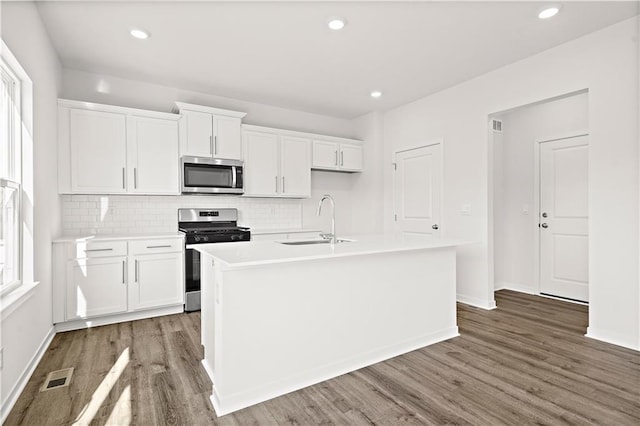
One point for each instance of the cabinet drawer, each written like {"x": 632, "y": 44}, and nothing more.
{"x": 165, "y": 245}
{"x": 92, "y": 249}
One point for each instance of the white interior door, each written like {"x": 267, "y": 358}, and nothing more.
{"x": 418, "y": 190}
{"x": 564, "y": 238}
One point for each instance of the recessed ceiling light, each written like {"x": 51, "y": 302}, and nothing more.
{"x": 336, "y": 23}
{"x": 376, "y": 94}
{"x": 549, "y": 12}
{"x": 138, "y": 33}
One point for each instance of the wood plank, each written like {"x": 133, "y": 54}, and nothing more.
{"x": 526, "y": 362}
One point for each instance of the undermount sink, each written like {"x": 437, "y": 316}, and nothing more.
{"x": 307, "y": 242}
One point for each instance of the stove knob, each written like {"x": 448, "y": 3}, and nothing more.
{"x": 196, "y": 239}
{"x": 234, "y": 237}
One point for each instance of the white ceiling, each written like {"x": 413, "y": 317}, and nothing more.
{"x": 283, "y": 54}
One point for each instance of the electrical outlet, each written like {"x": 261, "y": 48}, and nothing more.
{"x": 466, "y": 210}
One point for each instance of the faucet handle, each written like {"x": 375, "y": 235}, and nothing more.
{"x": 326, "y": 236}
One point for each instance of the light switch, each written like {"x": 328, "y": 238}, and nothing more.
{"x": 466, "y": 210}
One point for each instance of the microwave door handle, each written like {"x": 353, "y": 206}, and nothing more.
{"x": 233, "y": 177}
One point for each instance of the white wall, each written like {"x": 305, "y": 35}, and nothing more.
{"x": 604, "y": 62}
{"x": 25, "y": 329}
{"x": 514, "y": 186}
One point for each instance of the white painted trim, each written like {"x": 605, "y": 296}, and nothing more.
{"x": 211, "y": 110}
{"x": 114, "y": 319}
{"x": 537, "y": 146}
{"x": 422, "y": 145}
{"x": 322, "y": 373}
{"x": 474, "y": 301}
{"x": 617, "y": 340}
{"x": 14, "y": 299}
{"x": 521, "y": 288}
{"x": 21, "y": 383}
{"x": 117, "y": 109}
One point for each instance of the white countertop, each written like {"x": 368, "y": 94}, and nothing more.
{"x": 259, "y": 231}
{"x": 111, "y": 237}
{"x": 254, "y": 253}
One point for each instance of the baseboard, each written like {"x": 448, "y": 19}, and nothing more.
{"x": 114, "y": 319}
{"x": 17, "y": 389}
{"x": 612, "y": 339}
{"x": 474, "y": 301}
{"x": 521, "y": 288}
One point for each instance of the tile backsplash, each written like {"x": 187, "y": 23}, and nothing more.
{"x": 139, "y": 214}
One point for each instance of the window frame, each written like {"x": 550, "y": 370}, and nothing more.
{"x": 14, "y": 173}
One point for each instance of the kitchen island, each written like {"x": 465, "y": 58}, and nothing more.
{"x": 279, "y": 317}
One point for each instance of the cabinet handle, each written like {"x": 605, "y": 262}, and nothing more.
{"x": 342, "y": 158}
{"x": 136, "y": 271}
{"x": 166, "y": 246}
{"x": 104, "y": 249}
{"x": 135, "y": 178}
{"x": 123, "y": 268}
{"x": 336, "y": 159}
{"x": 211, "y": 143}
{"x": 123, "y": 182}
{"x": 276, "y": 183}
{"x": 283, "y": 184}
{"x": 215, "y": 145}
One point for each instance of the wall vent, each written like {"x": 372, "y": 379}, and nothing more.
{"x": 57, "y": 379}
{"x": 497, "y": 126}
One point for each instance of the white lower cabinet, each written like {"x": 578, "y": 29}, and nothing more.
{"x": 117, "y": 279}
{"x": 96, "y": 287}
{"x": 157, "y": 281}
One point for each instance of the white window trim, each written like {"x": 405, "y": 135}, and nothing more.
{"x": 15, "y": 294}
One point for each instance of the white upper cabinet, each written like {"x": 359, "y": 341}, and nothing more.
{"x": 104, "y": 149}
{"x": 276, "y": 165}
{"x": 198, "y": 132}
{"x": 339, "y": 156}
{"x": 261, "y": 164}
{"x": 98, "y": 145}
{"x": 153, "y": 155}
{"x": 295, "y": 166}
{"x": 350, "y": 157}
{"x": 210, "y": 132}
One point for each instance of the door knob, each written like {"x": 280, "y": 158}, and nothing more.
{"x": 434, "y": 226}
{"x": 544, "y": 225}
{"x": 544, "y": 214}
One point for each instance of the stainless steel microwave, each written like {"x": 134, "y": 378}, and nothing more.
{"x": 202, "y": 175}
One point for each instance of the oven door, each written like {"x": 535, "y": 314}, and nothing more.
{"x": 192, "y": 280}
{"x": 211, "y": 176}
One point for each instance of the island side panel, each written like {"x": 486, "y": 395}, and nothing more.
{"x": 283, "y": 327}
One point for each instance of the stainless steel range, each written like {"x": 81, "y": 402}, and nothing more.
{"x": 203, "y": 227}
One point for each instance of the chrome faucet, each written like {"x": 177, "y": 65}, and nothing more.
{"x": 333, "y": 216}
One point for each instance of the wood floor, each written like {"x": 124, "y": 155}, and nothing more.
{"x": 525, "y": 363}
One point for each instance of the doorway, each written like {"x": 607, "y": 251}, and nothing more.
{"x": 539, "y": 164}
{"x": 417, "y": 189}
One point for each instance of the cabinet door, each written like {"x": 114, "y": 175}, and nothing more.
{"x": 295, "y": 167}
{"x": 325, "y": 155}
{"x": 96, "y": 287}
{"x": 198, "y": 135}
{"x": 228, "y": 137}
{"x": 261, "y": 176}
{"x": 153, "y": 155}
{"x": 158, "y": 280}
{"x": 98, "y": 142}
{"x": 351, "y": 157}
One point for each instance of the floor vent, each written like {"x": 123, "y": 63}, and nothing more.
{"x": 57, "y": 379}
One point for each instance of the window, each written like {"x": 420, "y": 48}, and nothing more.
{"x": 10, "y": 179}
